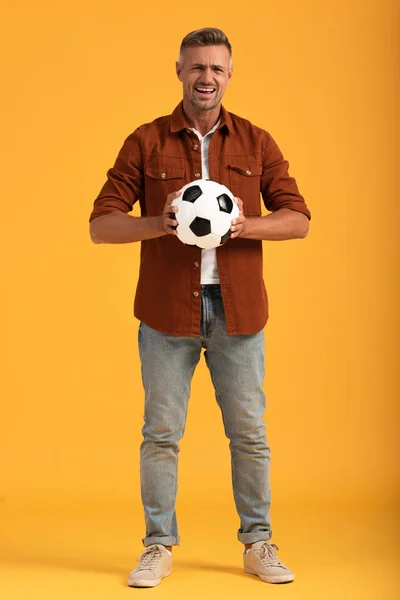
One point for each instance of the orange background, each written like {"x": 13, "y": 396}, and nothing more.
{"x": 323, "y": 79}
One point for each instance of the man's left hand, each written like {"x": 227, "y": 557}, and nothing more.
{"x": 238, "y": 225}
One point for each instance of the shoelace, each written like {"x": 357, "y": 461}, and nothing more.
{"x": 268, "y": 555}
{"x": 148, "y": 558}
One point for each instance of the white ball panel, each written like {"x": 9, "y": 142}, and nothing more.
{"x": 186, "y": 212}
{"x": 221, "y": 224}
{"x": 186, "y": 235}
{"x": 208, "y": 241}
{"x": 206, "y": 206}
{"x": 214, "y": 188}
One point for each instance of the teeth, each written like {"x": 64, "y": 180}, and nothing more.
{"x": 205, "y": 89}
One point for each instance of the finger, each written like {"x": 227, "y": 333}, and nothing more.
{"x": 239, "y": 204}
{"x": 236, "y": 230}
{"x": 169, "y": 213}
{"x": 169, "y": 209}
{"x": 171, "y": 223}
{"x": 174, "y": 195}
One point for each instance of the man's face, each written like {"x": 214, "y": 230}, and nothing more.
{"x": 204, "y": 73}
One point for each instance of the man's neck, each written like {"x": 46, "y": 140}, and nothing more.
{"x": 201, "y": 120}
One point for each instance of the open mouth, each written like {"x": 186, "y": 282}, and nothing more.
{"x": 205, "y": 92}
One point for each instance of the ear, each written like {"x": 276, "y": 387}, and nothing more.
{"x": 178, "y": 68}
{"x": 230, "y": 73}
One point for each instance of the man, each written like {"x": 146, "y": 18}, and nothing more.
{"x": 188, "y": 299}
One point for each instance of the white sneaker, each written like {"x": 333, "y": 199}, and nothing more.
{"x": 155, "y": 563}
{"x": 262, "y": 560}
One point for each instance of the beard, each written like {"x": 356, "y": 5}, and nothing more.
{"x": 204, "y": 106}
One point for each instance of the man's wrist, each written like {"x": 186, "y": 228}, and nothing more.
{"x": 249, "y": 227}
{"x": 160, "y": 225}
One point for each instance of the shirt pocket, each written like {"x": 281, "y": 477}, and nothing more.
{"x": 245, "y": 182}
{"x": 161, "y": 180}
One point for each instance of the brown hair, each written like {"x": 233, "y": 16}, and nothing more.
{"x": 208, "y": 36}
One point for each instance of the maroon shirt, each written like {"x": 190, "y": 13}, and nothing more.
{"x": 159, "y": 158}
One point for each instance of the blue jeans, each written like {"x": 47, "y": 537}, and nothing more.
{"x": 236, "y": 365}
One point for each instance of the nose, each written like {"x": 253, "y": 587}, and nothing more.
{"x": 207, "y": 76}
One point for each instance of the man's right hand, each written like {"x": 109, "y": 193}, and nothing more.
{"x": 169, "y": 223}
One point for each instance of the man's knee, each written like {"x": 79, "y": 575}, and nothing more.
{"x": 162, "y": 435}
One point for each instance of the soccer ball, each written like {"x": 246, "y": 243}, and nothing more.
{"x": 205, "y": 211}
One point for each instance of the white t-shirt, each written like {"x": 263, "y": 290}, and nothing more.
{"x": 209, "y": 268}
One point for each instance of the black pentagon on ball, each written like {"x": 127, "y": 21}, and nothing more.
{"x": 200, "y": 226}
{"x": 225, "y": 203}
{"x": 226, "y": 237}
{"x": 192, "y": 193}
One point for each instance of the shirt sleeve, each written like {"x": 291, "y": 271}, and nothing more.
{"x": 278, "y": 189}
{"x": 124, "y": 180}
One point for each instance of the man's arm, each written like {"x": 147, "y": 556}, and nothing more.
{"x": 283, "y": 224}
{"x": 119, "y": 228}
{"x": 290, "y": 216}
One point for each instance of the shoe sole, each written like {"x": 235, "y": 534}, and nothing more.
{"x": 277, "y": 579}
{"x": 148, "y": 582}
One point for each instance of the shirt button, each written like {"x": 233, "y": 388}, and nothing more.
{"x": 197, "y": 175}
{"x": 196, "y": 264}
{"x": 248, "y": 172}
{"x": 195, "y": 294}
{"x": 195, "y": 147}
{"x": 163, "y": 175}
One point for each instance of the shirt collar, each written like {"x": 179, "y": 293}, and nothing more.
{"x": 179, "y": 121}
{"x": 217, "y": 124}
